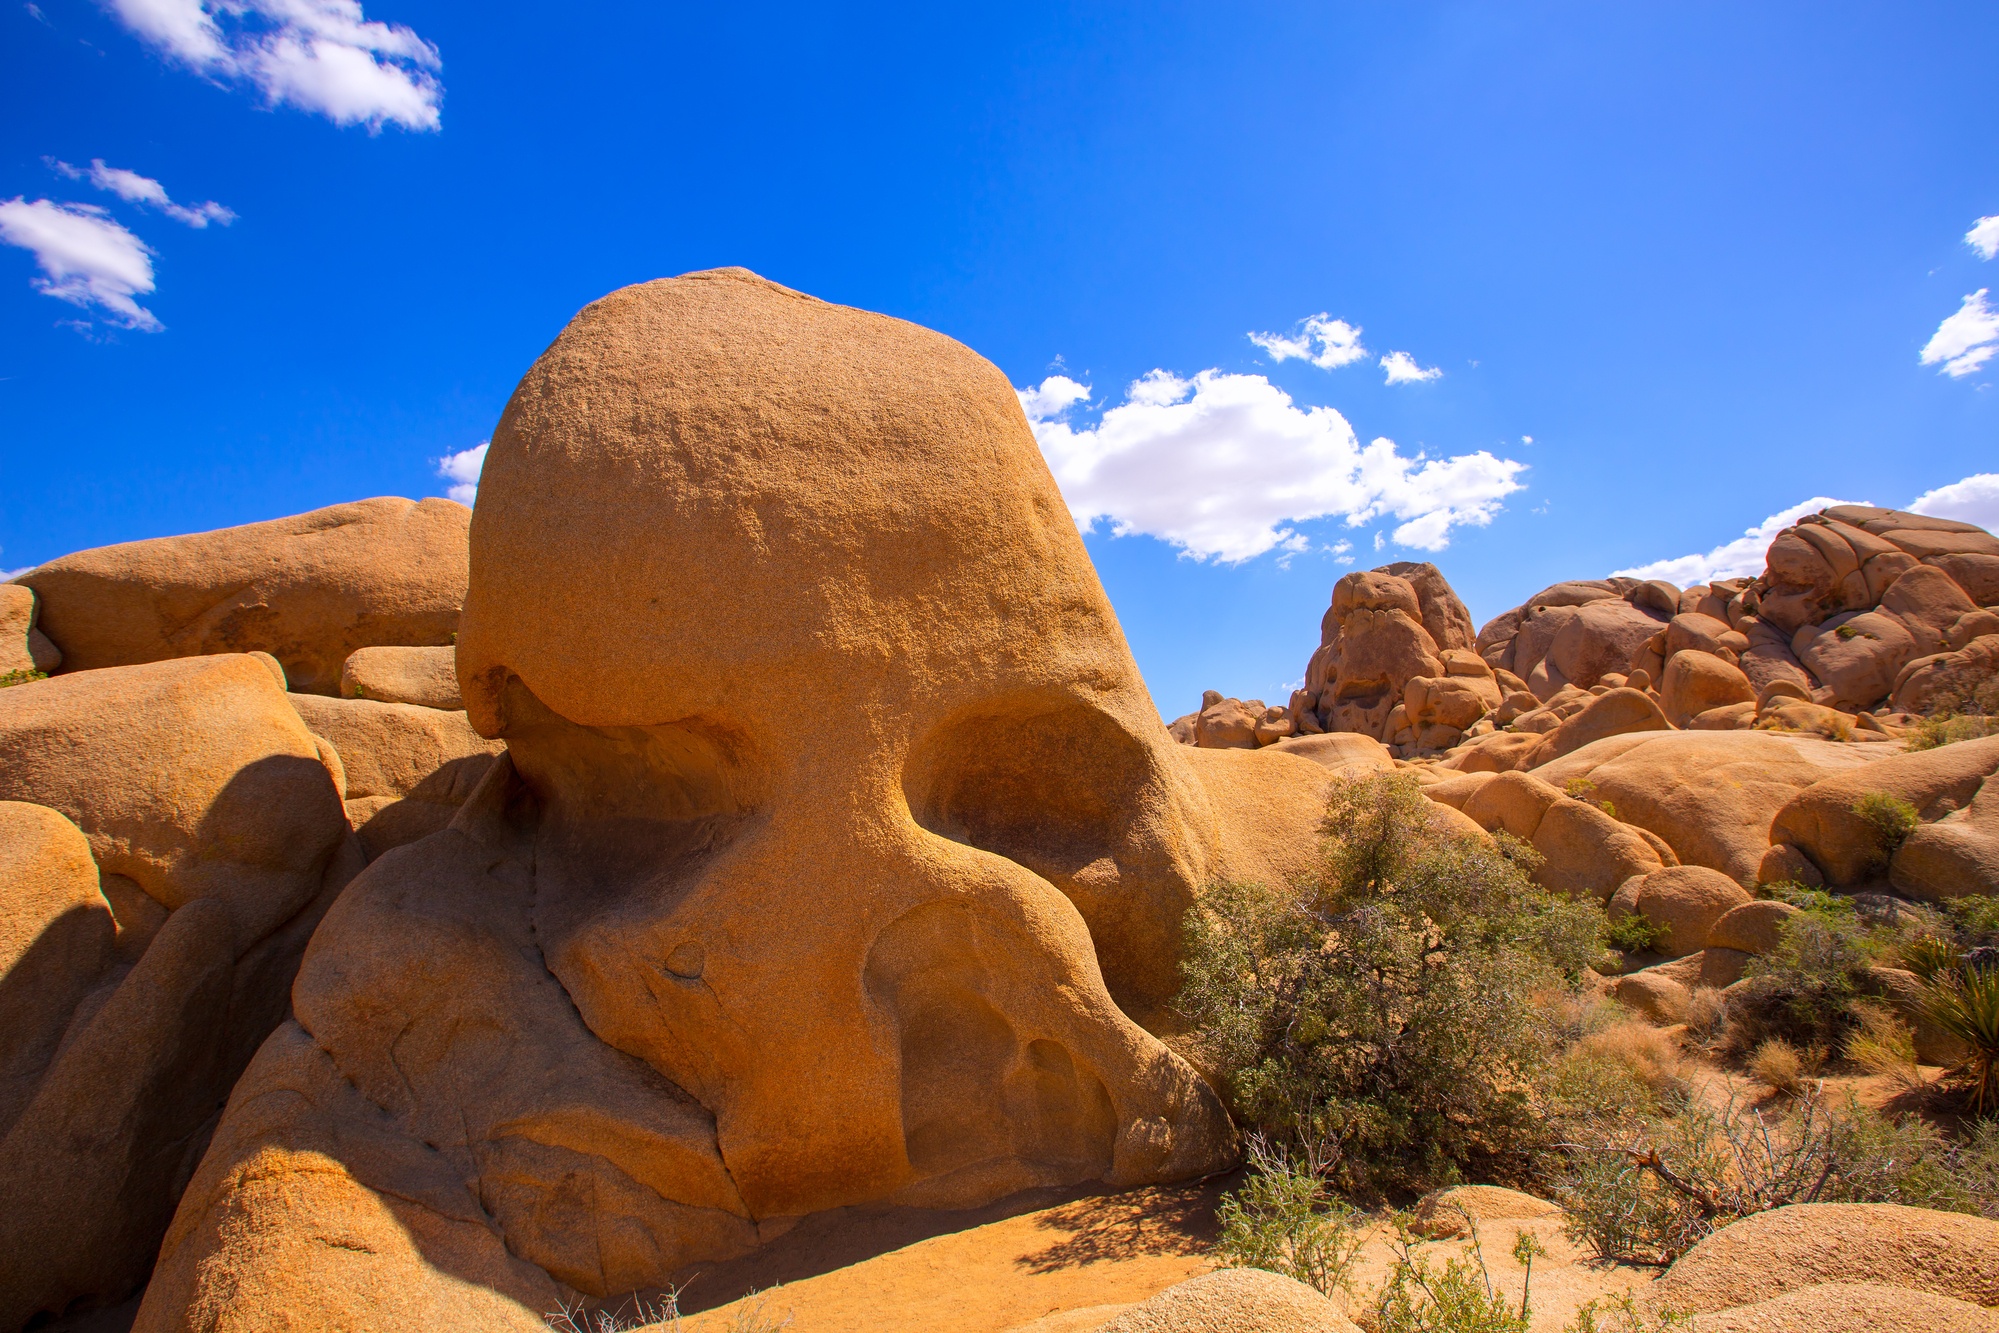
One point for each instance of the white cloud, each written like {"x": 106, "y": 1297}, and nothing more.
{"x": 1984, "y": 237}
{"x": 1741, "y": 558}
{"x": 462, "y": 469}
{"x": 1973, "y": 500}
{"x": 1337, "y": 343}
{"x": 137, "y": 189}
{"x": 1222, "y": 465}
{"x": 1402, "y": 369}
{"x": 323, "y": 56}
{"x": 85, "y": 258}
{"x": 1967, "y": 339}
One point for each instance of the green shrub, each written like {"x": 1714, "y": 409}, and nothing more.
{"x": 1891, "y": 819}
{"x": 1633, "y": 933}
{"x": 1803, "y": 990}
{"x": 21, "y": 677}
{"x": 1965, "y": 1004}
{"x": 1282, "y": 1219}
{"x": 1976, "y": 919}
{"x": 1391, "y": 1015}
{"x": 1928, "y": 956}
{"x": 1457, "y": 1298}
{"x": 1963, "y": 714}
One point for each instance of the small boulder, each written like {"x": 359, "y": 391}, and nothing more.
{"x": 426, "y": 677}
{"x": 1697, "y": 681}
{"x": 1685, "y": 902}
{"x": 1448, "y": 1213}
{"x": 1227, "y": 724}
{"x": 1752, "y": 927}
{"x": 1233, "y": 1299}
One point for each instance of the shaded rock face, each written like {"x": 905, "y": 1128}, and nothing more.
{"x": 309, "y": 590}
{"x": 169, "y": 838}
{"x": 680, "y": 970}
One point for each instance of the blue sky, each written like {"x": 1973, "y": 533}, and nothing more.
{"x": 1692, "y": 252}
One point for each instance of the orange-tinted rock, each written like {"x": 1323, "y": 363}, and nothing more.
{"x": 1927, "y": 682}
{"x": 23, "y": 646}
{"x": 1234, "y": 1298}
{"x": 1614, "y": 713}
{"x": 1858, "y": 657}
{"x": 1928, "y": 604}
{"x": 1226, "y": 725}
{"x": 1685, "y": 902}
{"x": 1956, "y": 855}
{"x": 219, "y": 834}
{"x": 308, "y": 589}
{"x": 1822, "y": 822}
{"x": 427, "y": 677}
{"x": 1752, "y": 927}
{"x": 1698, "y": 681}
{"x": 574, "y": 992}
{"x": 1978, "y": 575}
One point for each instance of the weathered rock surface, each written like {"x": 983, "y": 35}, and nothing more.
{"x": 1234, "y": 1299}
{"x": 308, "y": 589}
{"x": 573, "y": 1038}
{"x": 1824, "y": 823}
{"x": 1685, "y": 902}
{"x": 427, "y": 677}
{"x": 406, "y": 769}
{"x": 198, "y": 841}
{"x": 1446, "y": 1213}
{"x": 23, "y": 646}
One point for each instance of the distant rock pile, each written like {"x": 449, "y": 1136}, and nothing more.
{"x": 1862, "y": 618}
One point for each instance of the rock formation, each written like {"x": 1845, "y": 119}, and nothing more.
{"x": 682, "y": 970}
{"x": 170, "y": 835}
{"x": 309, "y": 590}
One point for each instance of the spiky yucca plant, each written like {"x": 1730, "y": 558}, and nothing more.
{"x": 1966, "y": 1005}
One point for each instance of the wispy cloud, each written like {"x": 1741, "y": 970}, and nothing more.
{"x": 462, "y": 470}
{"x": 1402, "y": 369}
{"x": 137, "y": 189}
{"x": 1973, "y": 500}
{"x": 1325, "y": 342}
{"x": 86, "y": 258}
{"x": 1984, "y": 237}
{"x": 1223, "y": 466}
{"x": 1966, "y": 340}
{"x": 322, "y": 56}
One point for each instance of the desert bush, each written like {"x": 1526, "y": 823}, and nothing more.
{"x": 1393, "y": 1012}
{"x": 1803, "y": 990}
{"x": 1282, "y": 1219}
{"x": 1649, "y": 1195}
{"x": 1959, "y": 715}
{"x": 1458, "y": 1298}
{"x": 1965, "y": 1004}
{"x": 1975, "y": 920}
{"x": 1621, "y": 1074}
{"x": 1883, "y": 1044}
{"x": 1707, "y": 1015}
{"x": 578, "y": 1318}
{"x": 1778, "y": 1066}
{"x": 1891, "y": 819}
{"x": 1928, "y": 956}
{"x": 1633, "y": 933}
{"x": 21, "y": 677}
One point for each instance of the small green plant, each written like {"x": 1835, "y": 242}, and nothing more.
{"x": 1633, "y": 933}
{"x": 1892, "y": 820}
{"x": 1968, "y": 712}
{"x": 1965, "y": 1004}
{"x": 1584, "y": 790}
{"x": 1928, "y": 956}
{"x": 1803, "y": 990}
{"x": 1458, "y": 1298}
{"x": 1849, "y": 632}
{"x": 1620, "y": 1314}
{"x": 1283, "y": 1220}
{"x": 21, "y": 677}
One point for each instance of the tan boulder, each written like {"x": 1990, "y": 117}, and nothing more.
{"x": 1615, "y": 712}
{"x": 1513, "y": 803}
{"x": 1769, "y": 658}
{"x": 1661, "y": 998}
{"x": 1727, "y": 717}
{"x": 427, "y": 677}
{"x": 220, "y": 841}
{"x": 1599, "y": 638}
{"x": 1232, "y": 1300}
{"x": 1928, "y": 603}
{"x": 1228, "y": 724}
{"x": 56, "y": 935}
{"x": 1448, "y": 1213}
{"x": 1373, "y": 641}
{"x": 1925, "y": 682}
{"x": 574, "y": 994}
{"x": 1858, "y": 657}
{"x": 1702, "y": 634}
{"x": 1584, "y": 850}
{"x": 1978, "y": 575}
{"x": 1787, "y": 1249}
{"x": 23, "y": 646}
{"x": 1438, "y": 606}
{"x": 1751, "y": 927}
{"x": 1955, "y": 856}
{"x": 309, "y": 589}
{"x": 1821, "y": 820}
{"x": 1697, "y": 681}
{"x": 406, "y": 768}
{"x": 1851, "y": 1307}
{"x": 1798, "y": 716}
{"x": 1710, "y": 794}
{"x": 1449, "y": 701}
{"x": 1785, "y": 864}
{"x": 1685, "y": 902}
{"x": 1347, "y": 752}
{"x": 1453, "y": 789}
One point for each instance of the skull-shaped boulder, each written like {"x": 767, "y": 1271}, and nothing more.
{"x": 838, "y": 856}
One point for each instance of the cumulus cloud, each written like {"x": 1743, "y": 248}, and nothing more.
{"x": 323, "y": 56}
{"x": 1327, "y": 343}
{"x": 86, "y": 258}
{"x": 1402, "y": 369}
{"x": 1984, "y": 237}
{"x": 137, "y": 189}
{"x": 462, "y": 470}
{"x": 1973, "y": 500}
{"x": 1739, "y": 559}
{"x": 1966, "y": 340}
{"x": 1223, "y": 466}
